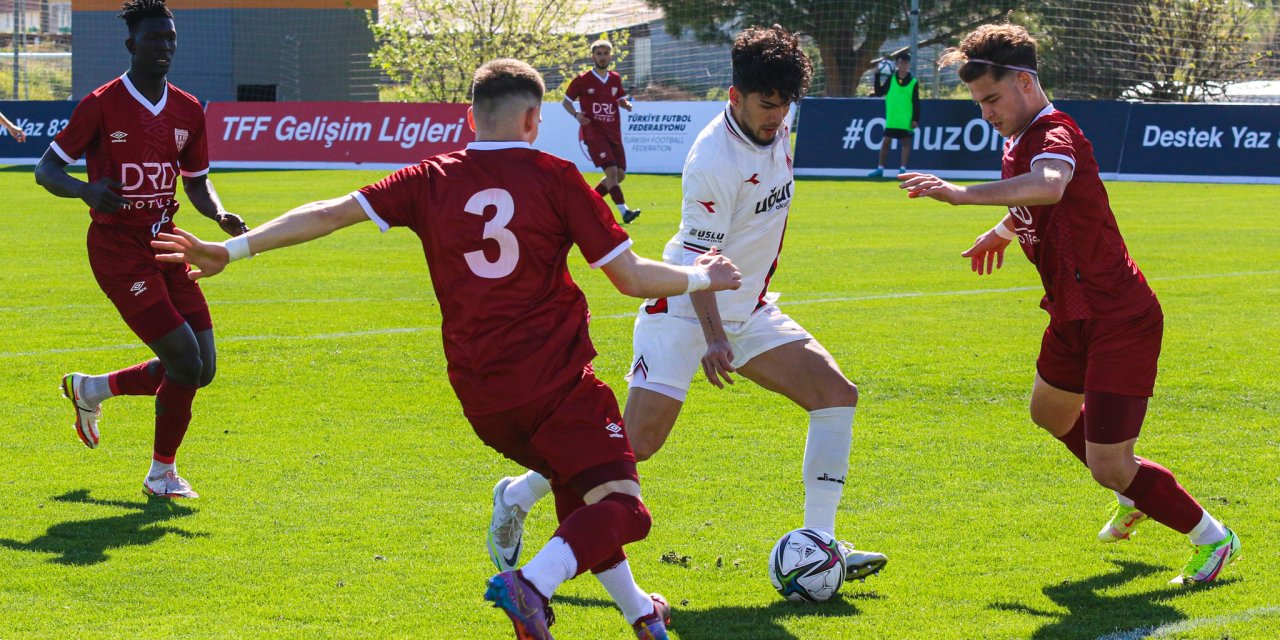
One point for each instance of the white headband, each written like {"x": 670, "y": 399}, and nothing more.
{"x": 1004, "y": 66}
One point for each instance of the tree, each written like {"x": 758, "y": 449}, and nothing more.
{"x": 431, "y": 48}
{"x": 849, "y": 34}
{"x": 1160, "y": 50}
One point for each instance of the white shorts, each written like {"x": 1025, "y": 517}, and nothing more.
{"x": 668, "y": 349}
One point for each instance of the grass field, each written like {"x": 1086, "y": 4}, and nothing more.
{"x": 344, "y": 495}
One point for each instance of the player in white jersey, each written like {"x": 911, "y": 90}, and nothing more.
{"x": 738, "y": 185}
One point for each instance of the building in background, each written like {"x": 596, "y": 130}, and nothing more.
{"x": 264, "y": 50}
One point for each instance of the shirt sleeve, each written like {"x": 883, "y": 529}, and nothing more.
{"x": 622, "y": 91}
{"x": 590, "y": 221}
{"x": 706, "y": 214}
{"x": 193, "y": 160}
{"x": 1056, "y": 142}
{"x": 575, "y": 89}
{"x": 81, "y": 132}
{"x": 392, "y": 201}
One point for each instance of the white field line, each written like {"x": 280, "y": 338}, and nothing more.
{"x": 226, "y": 340}
{"x": 331, "y": 336}
{"x": 1168, "y": 630}
{"x": 973, "y": 292}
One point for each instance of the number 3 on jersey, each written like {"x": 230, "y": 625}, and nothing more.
{"x": 495, "y": 229}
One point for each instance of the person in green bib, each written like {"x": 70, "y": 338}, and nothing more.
{"x": 901, "y": 112}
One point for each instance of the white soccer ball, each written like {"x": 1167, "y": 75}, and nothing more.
{"x": 806, "y": 566}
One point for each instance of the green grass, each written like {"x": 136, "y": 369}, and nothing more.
{"x": 344, "y": 495}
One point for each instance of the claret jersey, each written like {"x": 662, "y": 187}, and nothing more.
{"x": 737, "y": 196}
{"x": 1075, "y": 243}
{"x": 144, "y": 146}
{"x": 598, "y": 98}
{"x": 496, "y": 222}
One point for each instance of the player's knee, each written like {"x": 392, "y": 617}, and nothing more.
{"x": 1047, "y": 420}
{"x": 840, "y": 394}
{"x": 643, "y": 519}
{"x": 185, "y": 370}
{"x": 1111, "y": 476}
{"x": 645, "y": 446}
{"x": 207, "y": 374}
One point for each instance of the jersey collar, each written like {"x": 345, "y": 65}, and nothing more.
{"x": 495, "y": 145}
{"x": 156, "y": 108}
{"x": 601, "y": 78}
{"x": 1018, "y": 136}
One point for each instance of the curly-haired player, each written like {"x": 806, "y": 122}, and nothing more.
{"x": 138, "y": 134}
{"x": 1097, "y": 364}
{"x": 737, "y": 196}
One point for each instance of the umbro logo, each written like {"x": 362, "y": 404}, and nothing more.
{"x": 138, "y": 288}
{"x": 710, "y": 205}
{"x": 118, "y": 136}
{"x": 591, "y": 91}
{"x": 754, "y": 179}
{"x": 615, "y": 430}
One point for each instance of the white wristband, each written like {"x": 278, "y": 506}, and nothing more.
{"x": 1003, "y": 231}
{"x": 699, "y": 279}
{"x": 238, "y": 248}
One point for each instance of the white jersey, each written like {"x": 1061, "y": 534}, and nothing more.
{"x": 737, "y": 195}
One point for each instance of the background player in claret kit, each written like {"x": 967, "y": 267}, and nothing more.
{"x": 600, "y": 92}
{"x": 737, "y": 185}
{"x": 1097, "y": 364}
{"x": 138, "y": 133}
{"x": 497, "y": 222}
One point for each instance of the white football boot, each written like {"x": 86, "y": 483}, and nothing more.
{"x": 86, "y": 414}
{"x": 506, "y": 530}
{"x": 860, "y": 565}
{"x": 169, "y": 485}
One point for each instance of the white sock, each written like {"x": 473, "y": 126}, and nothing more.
{"x": 1124, "y": 501}
{"x": 622, "y": 207}
{"x": 526, "y": 490}
{"x": 826, "y": 463}
{"x": 158, "y": 469}
{"x": 95, "y": 389}
{"x": 628, "y": 595}
{"x": 554, "y": 565}
{"x": 1208, "y": 531}
{"x": 880, "y": 167}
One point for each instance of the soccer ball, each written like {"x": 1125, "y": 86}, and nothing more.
{"x": 806, "y": 566}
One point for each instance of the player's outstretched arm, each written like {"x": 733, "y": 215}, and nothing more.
{"x": 640, "y": 277}
{"x": 51, "y": 173}
{"x": 305, "y": 223}
{"x": 14, "y": 130}
{"x": 205, "y": 199}
{"x": 1044, "y": 184}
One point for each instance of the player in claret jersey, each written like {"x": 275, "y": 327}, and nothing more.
{"x": 599, "y": 91}
{"x": 1097, "y": 364}
{"x": 138, "y": 134}
{"x": 496, "y": 222}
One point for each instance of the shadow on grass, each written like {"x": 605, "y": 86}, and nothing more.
{"x": 757, "y": 623}
{"x": 1092, "y": 613}
{"x": 86, "y": 542}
